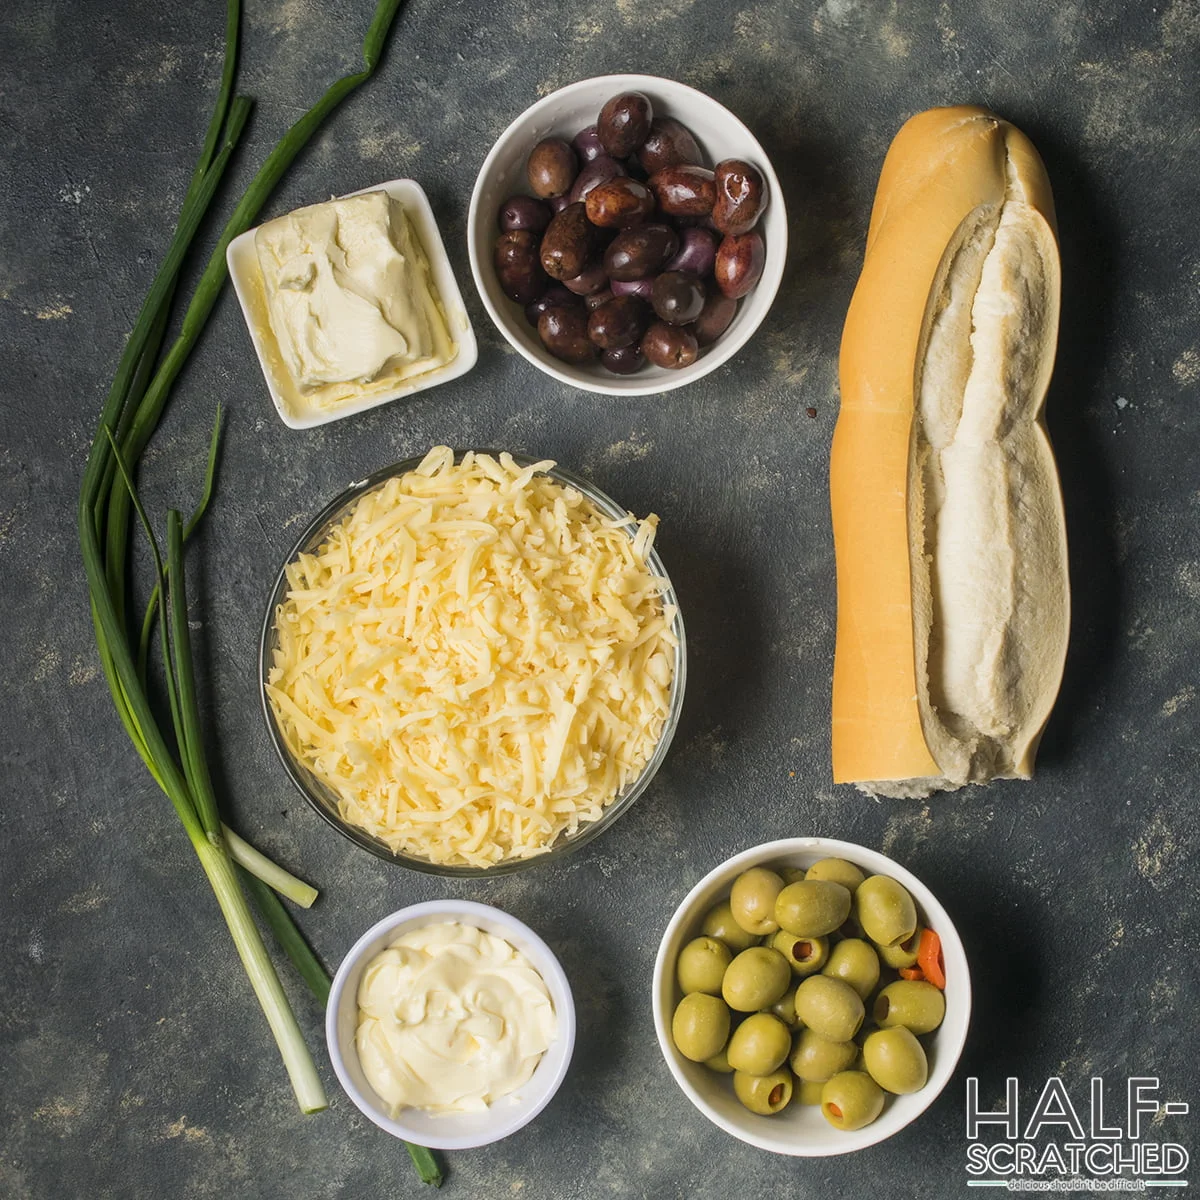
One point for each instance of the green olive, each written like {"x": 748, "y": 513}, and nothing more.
{"x": 752, "y": 900}
{"x": 855, "y": 962}
{"x": 700, "y": 1026}
{"x": 792, "y": 874}
{"x": 851, "y": 1099}
{"x": 812, "y": 907}
{"x": 885, "y": 910}
{"x": 809, "y": 1093}
{"x": 719, "y": 923}
{"x": 829, "y": 1007}
{"x": 755, "y": 979}
{"x": 913, "y": 1003}
{"x": 806, "y": 956}
{"x": 816, "y": 1059}
{"x": 837, "y": 870}
{"x": 719, "y": 1062}
{"x": 785, "y": 1008}
{"x": 902, "y": 954}
{"x": 701, "y": 965}
{"x": 896, "y": 1060}
{"x": 763, "y": 1094}
{"x": 759, "y": 1045}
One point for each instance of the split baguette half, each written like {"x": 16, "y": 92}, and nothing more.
{"x": 953, "y": 598}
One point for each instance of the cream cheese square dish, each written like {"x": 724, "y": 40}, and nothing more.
{"x": 301, "y": 373}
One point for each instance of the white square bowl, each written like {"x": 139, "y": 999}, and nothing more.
{"x": 290, "y": 402}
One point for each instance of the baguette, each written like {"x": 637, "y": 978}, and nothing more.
{"x": 953, "y": 599}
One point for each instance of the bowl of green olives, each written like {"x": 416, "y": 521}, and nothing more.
{"x": 811, "y": 997}
{"x": 627, "y": 234}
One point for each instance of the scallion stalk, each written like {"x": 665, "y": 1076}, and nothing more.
{"x": 175, "y": 755}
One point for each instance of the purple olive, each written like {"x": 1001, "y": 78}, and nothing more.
{"x": 697, "y": 252}
{"x": 678, "y": 299}
{"x": 591, "y": 279}
{"x": 623, "y": 360}
{"x": 524, "y": 212}
{"x": 633, "y": 287}
{"x": 564, "y": 333}
{"x": 741, "y": 196}
{"x": 618, "y": 203}
{"x": 669, "y": 144}
{"x": 636, "y": 253}
{"x": 552, "y": 167}
{"x": 555, "y": 296}
{"x": 518, "y": 269}
{"x": 715, "y": 316}
{"x": 670, "y": 346}
{"x": 624, "y": 123}
{"x": 588, "y": 145}
{"x": 740, "y": 261}
{"x": 558, "y": 203}
{"x": 620, "y": 322}
{"x": 596, "y": 299}
{"x": 599, "y": 170}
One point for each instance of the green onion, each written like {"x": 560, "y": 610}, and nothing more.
{"x": 175, "y": 755}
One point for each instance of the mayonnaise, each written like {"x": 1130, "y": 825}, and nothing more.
{"x": 350, "y": 298}
{"x": 450, "y": 1019}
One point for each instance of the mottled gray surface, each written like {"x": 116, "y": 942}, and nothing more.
{"x": 134, "y": 1062}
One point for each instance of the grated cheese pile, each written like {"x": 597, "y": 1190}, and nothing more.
{"x": 476, "y": 661}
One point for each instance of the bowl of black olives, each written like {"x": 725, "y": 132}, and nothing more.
{"x": 627, "y": 234}
{"x": 811, "y": 996}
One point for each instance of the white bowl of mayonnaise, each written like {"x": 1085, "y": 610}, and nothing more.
{"x": 450, "y": 1024}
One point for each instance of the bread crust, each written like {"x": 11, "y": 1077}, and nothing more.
{"x": 950, "y": 175}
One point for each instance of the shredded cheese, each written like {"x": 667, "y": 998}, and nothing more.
{"x": 477, "y": 661}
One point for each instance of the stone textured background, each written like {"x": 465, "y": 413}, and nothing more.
{"x": 134, "y": 1061}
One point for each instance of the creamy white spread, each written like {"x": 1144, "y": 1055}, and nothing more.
{"x": 350, "y": 298}
{"x": 450, "y": 1019}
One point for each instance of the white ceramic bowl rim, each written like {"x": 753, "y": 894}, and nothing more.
{"x": 649, "y": 381}
{"x": 507, "y": 1115}
{"x": 765, "y": 1132}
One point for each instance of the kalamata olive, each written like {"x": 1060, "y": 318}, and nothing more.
{"x": 678, "y": 298}
{"x": 517, "y": 267}
{"x": 739, "y": 265}
{"x": 636, "y": 253}
{"x": 741, "y": 196}
{"x": 555, "y": 296}
{"x": 587, "y": 144}
{"x": 567, "y": 243}
{"x": 620, "y": 322}
{"x": 670, "y": 346}
{"x": 596, "y": 299}
{"x": 634, "y": 287}
{"x": 524, "y": 212}
{"x": 624, "y": 360}
{"x": 558, "y": 203}
{"x": 591, "y": 279}
{"x": 598, "y": 171}
{"x": 684, "y": 190}
{"x": 624, "y": 123}
{"x": 714, "y": 317}
{"x": 564, "y": 333}
{"x": 668, "y": 144}
{"x": 552, "y": 167}
{"x": 618, "y": 203}
{"x": 697, "y": 252}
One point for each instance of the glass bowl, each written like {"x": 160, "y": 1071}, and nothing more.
{"x": 325, "y": 800}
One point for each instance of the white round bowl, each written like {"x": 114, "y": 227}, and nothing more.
{"x": 801, "y": 1130}
{"x": 449, "y": 1131}
{"x": 563, "y": 114}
